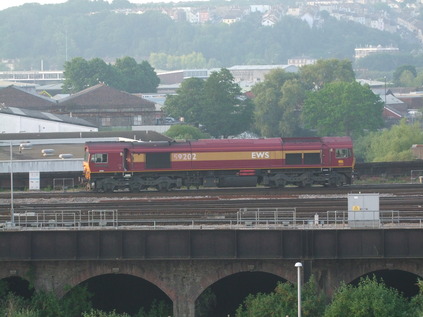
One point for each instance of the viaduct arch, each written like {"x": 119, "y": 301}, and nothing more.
{"x": 183, "y": 281}
{"x": 183, "y": 263}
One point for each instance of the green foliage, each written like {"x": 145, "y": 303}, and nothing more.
{"x": 343, "y": 108}
{"x": 76, "y": 301}
{"x": 280, "y": 98}
{"x": 44, "y": 304}
{"x": 387, "y": 62}
{"x": 47, "y": 303}
{"x": 99, "y": 313}
{"x": 157, "y": 309}
{"x": 126, "y": 75}
{"x": 171, "y": 62}
{"x": 71, "y": 29}
{"x": 276, "y": 101}
{"x": 315, "y": 76}
{"x": 12, "y": 305}
{"x": 410, "y": 73}
{"x": 134, "y": 77}
{"x": 369, "y": 298}
{"x": 389, "y": 145}
{"x": 417, "y": 301}
{"x": 71, "y": 305}
{"x": 224, "y": 112}
{"x": 185, "y": 132}
{"x": 205, "y": 303}
{"x": 283, "y": 302}
{"x": 216, "y": 104}
{"x": 188, "y": 101}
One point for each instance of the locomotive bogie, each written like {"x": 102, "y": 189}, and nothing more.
{"x": 273, "y": 162}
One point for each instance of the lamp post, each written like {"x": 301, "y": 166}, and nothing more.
{"x": 12, "y": 209}
{"x": 299, "y": 265}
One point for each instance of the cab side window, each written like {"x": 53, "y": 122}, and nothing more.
{"x": 342, "y": 153}
{"x": 99, "y": 158}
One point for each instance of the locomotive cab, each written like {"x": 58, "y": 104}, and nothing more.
{"x": 103, "y": 162}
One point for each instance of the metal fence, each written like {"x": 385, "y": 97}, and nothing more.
{"x": 63, "y": 184}
{"x": 245, "y": 218}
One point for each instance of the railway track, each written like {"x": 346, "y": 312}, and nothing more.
{"x": 255, "y": 191}
{"x": 201, "y": 205}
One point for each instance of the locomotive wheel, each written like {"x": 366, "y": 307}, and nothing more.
{"x": 279, "y": 183}
{"x": 163, "y": 187}
{"x": 306, "y": 183}
{"x": 109, "y": 187}
{"x": 135, "y": 187}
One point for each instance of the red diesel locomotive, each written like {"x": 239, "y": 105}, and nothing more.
{"x": 273, "y": 162}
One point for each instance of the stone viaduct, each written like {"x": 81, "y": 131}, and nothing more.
{"x": 184, "y": 262}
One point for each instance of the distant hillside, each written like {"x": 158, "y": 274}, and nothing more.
{"x": 51, "y": 33}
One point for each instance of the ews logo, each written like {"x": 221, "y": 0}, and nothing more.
{"x": 260, "y": 155}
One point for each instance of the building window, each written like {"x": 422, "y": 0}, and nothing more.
{"x": 138, "y": 120}
{"x": 105, "y": 122}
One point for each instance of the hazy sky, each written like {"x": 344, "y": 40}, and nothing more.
{"x": 13, "y": 3}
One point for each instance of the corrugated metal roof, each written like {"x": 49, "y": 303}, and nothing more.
{"x": 44, "y": 116}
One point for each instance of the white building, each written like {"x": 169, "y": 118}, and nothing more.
{"x": 365, "y": 51}
{"x": 18, "y": 120}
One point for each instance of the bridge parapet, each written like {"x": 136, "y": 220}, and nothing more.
{"x": 245, "y": 218}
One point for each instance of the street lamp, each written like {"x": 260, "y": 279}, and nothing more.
{"x": 299, "y": 265}
{"x": 12, "y": 209}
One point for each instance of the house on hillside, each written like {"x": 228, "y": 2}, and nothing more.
{"x": 109, "y": 108}
{"x": 20, "y": 97}
{"x": 394, "y": 109}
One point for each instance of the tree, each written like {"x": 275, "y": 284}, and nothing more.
{"x": 315, "y": 76}
{"x": 126, "y": 75}
{"x": 276, "y": 100}
{"x": 187, "y": 103}
{"x": 216, "y": 104}
{"x": 399, "y": 72}
{"x": 76, "y": 75}
{"x": 283, "y": 302}
{"x": 390, "y": 145}
{"x": 293, "y": 95}
{"x": 134, "y": 77}
{"x": 205, "y": 303}
{"x": 369, "y": 298}
{"x": 185, "y": 132}
{"x": 343, "y": 108}
{"x": 224, "y": 112}
{"x": 417, "y": 301}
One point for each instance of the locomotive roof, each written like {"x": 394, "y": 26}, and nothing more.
{"x": 304, "y": 143}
